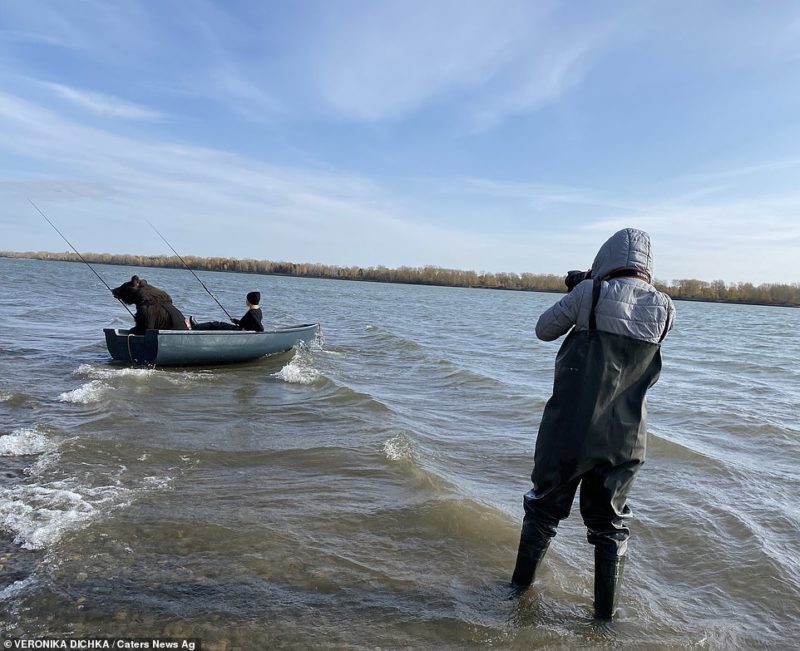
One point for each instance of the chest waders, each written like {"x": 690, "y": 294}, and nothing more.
{"x": 592, "y": 434}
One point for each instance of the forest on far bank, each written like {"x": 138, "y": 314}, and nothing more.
{"x": 787, "y": 294}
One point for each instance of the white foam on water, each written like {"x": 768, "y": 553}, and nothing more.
{"x": 25, "y": 441}
{"x": 157, "y": 483}
{"x": 15, "y": 588}
{"x": 38, "y": 515}
{"x": 88, "y": 393}
{"x": 399, "y": 448}
{"x": 93, "y": 372}
{"x": 4, "y": 396}
{"x": 335, "y": 353}
{"x": 49, "y": 459}
{"x": 299, "y": 370}
{"x": 295, "y": 374}
{"x": 184, "y": 378}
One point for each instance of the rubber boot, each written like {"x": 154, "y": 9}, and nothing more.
{"x": 529, "y": 557}
{"x": 607, "y": 579}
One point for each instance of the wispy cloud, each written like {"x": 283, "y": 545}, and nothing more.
{"x": 221, "y": 203}
{"x": 413, "y": 102}
{"x": 54, "y": 189}
{"x": 111, "y": 28}
{"x": 243, "y": 96}
{"x": 395, "y": 59}
{"x": 746, "y": 170}
{"x": 358, "y": 61}
{"x": 540, "y": 194}
{"x": 541, "y": 75}
{"x": 104, "y": 105}
{"x": 749, "y": 240}
{"x": 753, "y": 222}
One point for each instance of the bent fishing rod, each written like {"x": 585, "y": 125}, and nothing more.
{"x": 190, "y": 269}
{"x": 79, "y": 255}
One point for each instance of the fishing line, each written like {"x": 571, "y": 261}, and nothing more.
{"x": 189, "y": 268}
{"x": 79, "y": 255}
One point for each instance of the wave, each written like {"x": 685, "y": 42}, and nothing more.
{"x": 14, "y": 399}
{"x": 360, "y": 403}
{"x": 472, "y": 522}
{"x": 105, "y": 372}
{"x": 426, "y": 361}
{"x": 55, "y": 495}
{"x": 455, "y": 375}
{"x": 103, "y": 379}
{"x": 38, "y": 515}
{"x": 94, "y": 372}
{"x": 398, "y": 342}
{"x": 412, "y": 459}
{"x": 399, "y": 448}
{"x": 300, "y": 369}
{"x": 294, "y": 373}
{"x": 25, "y": 441}
{"x": 86, "y": 394}
{"x": 676, "y": 450}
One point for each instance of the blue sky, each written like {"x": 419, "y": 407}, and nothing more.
{"x": 494, "y": 135}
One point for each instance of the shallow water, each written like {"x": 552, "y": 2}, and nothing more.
{"x": 367, "y": 493}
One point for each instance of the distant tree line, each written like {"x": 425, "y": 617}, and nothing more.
{"x": 686, "y": 289}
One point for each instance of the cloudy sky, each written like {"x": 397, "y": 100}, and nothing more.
{"x": 490, "y": 135}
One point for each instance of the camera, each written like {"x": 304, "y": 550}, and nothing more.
{"x": 576, "y": 276}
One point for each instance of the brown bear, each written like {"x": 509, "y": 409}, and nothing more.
{"x": 154, "y": 308}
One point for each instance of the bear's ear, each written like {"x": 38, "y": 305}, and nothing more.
{"x": 134, "y": 279}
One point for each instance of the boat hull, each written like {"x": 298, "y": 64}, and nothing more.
{"x": 194, "y": 347}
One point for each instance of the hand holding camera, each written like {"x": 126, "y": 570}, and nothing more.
{"x": 575, "y": 277}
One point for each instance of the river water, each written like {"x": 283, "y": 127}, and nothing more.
{"x": 367, "y": 493}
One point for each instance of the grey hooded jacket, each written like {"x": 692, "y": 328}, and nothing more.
{"x": 627, "y": 306}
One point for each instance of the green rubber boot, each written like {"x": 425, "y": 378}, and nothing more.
{"x": 607, "y": 579}
{"x": 529, "y": 557}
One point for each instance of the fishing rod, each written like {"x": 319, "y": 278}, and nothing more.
{"x": 79, "y": 255}
{"x": 190, "y": 269}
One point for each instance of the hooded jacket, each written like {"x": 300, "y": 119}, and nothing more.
{"x": 628, "y": 306}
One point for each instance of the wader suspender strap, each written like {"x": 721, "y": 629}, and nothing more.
{"x": 666, "y": 327}
{"x": 595, "y": 296}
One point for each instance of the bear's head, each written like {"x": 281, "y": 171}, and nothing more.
{"x": 129, "y": 292}
{"x": 137, "y": 291}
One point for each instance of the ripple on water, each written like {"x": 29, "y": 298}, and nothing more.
{"x": 15, "y": 399}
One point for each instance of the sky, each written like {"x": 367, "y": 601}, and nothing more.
{"x": 493, "y": 135}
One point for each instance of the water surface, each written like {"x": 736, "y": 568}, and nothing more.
{"x": 367, "y": 494}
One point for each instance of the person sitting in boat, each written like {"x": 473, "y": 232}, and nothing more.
{"x": 154, "y": 308}
{"x": 250, "y": 321}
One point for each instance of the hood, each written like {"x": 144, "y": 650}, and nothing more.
{"x": 625, "y": 249}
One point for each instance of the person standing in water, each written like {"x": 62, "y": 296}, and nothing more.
{"x": 250, "y": 321}
{"x": 593, "y": 430}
